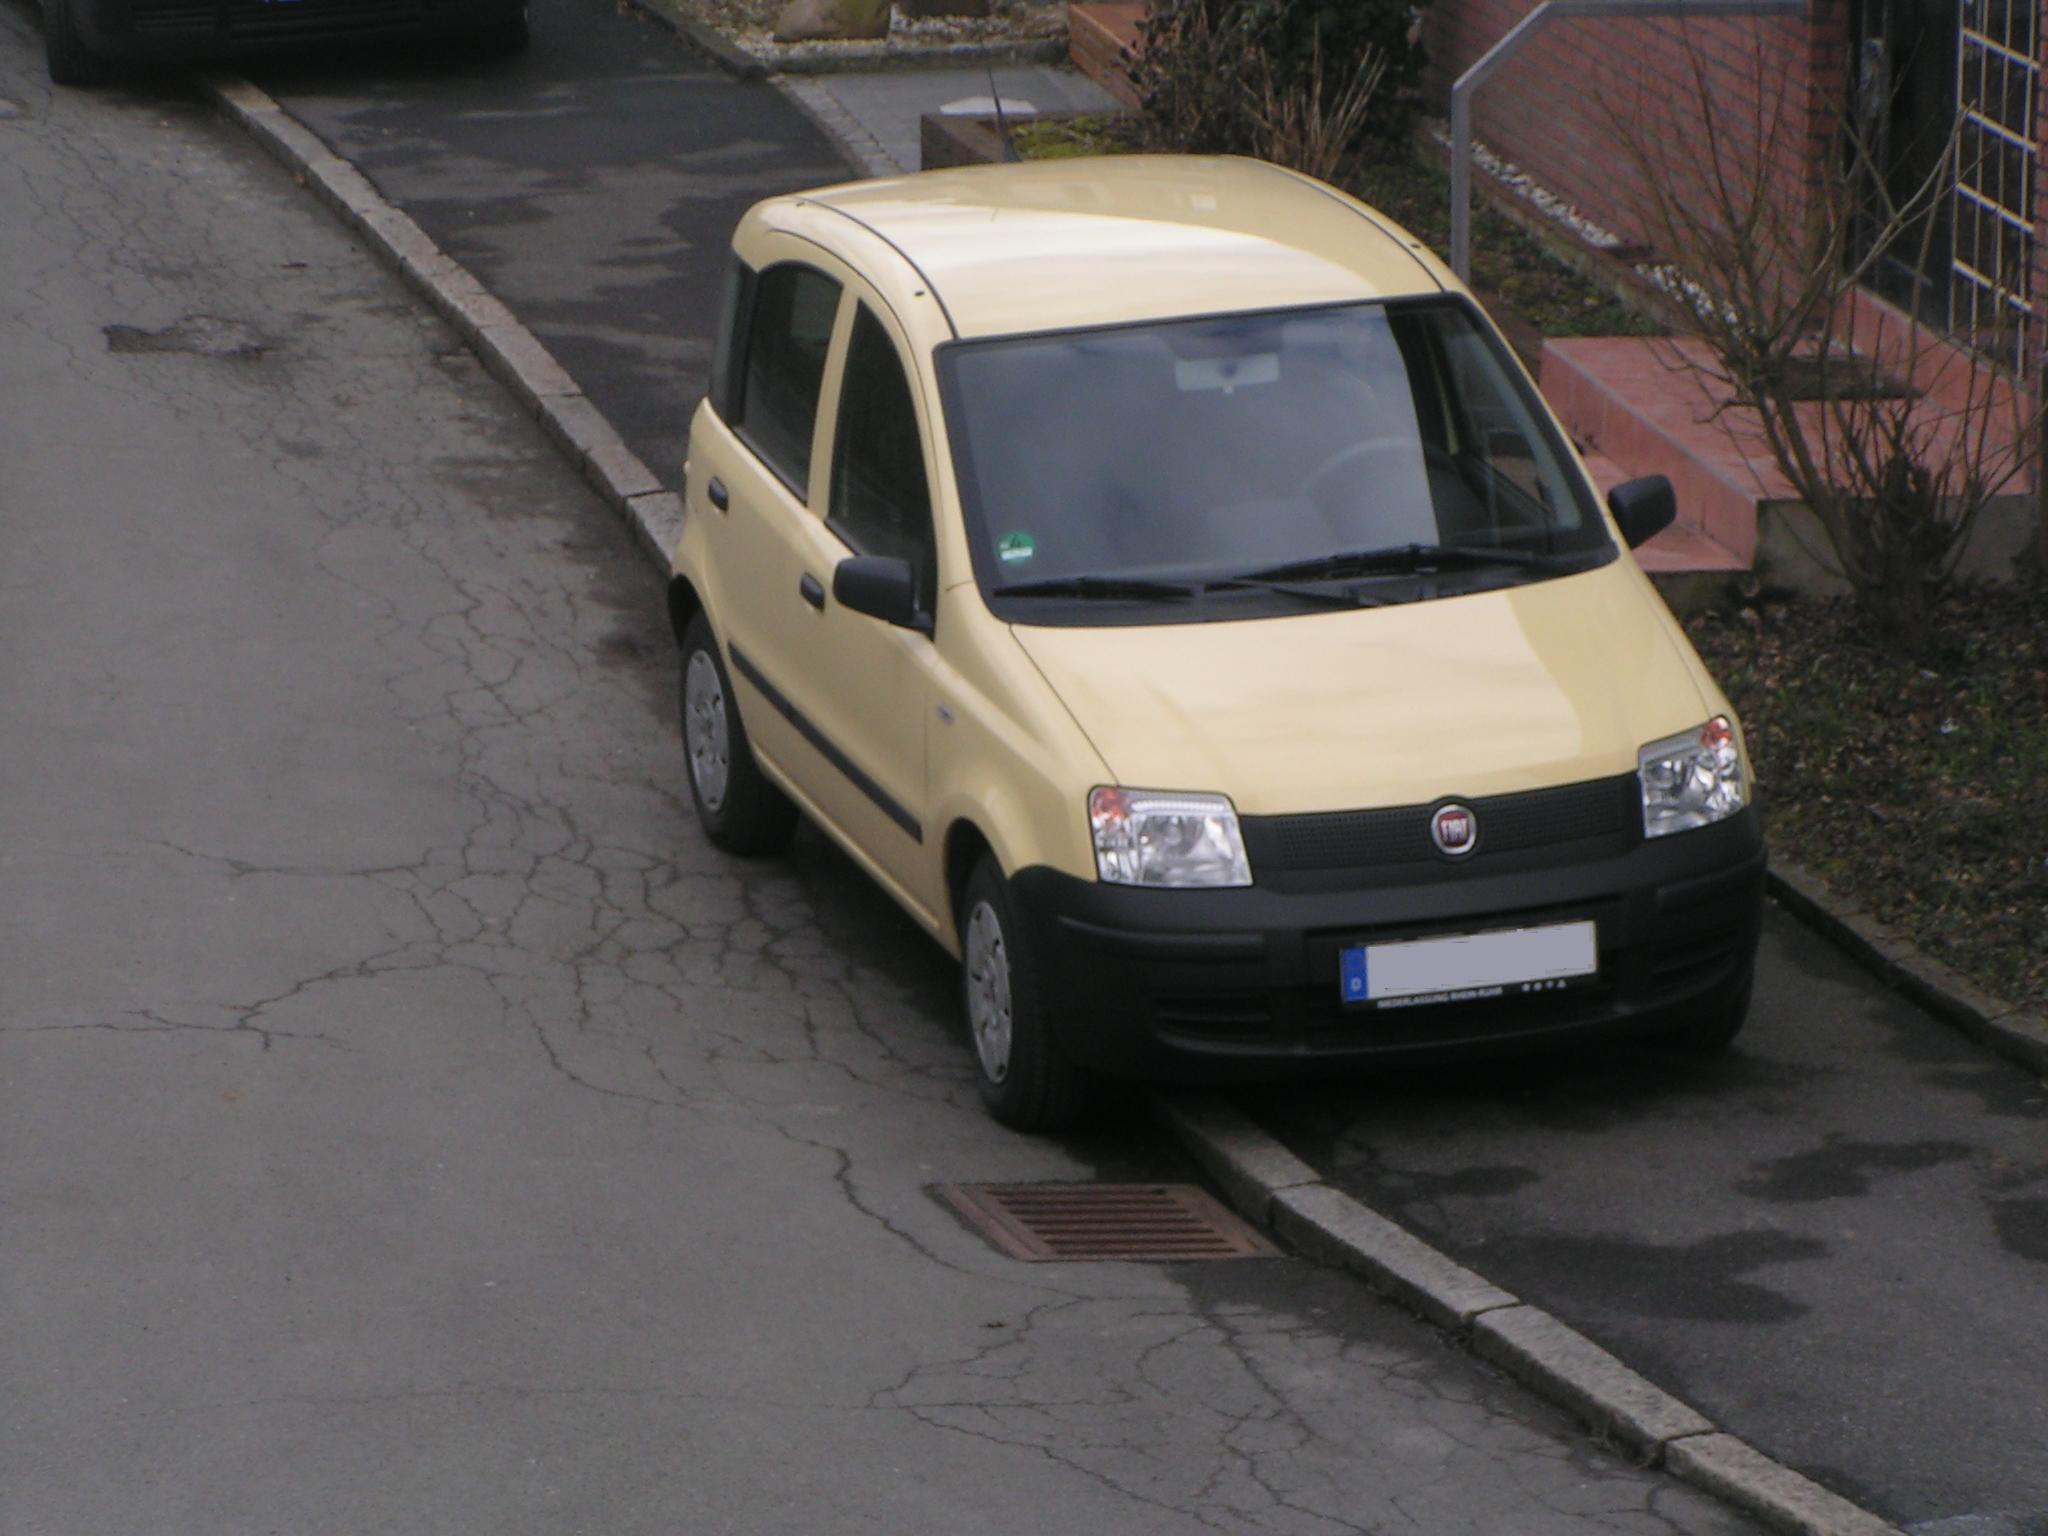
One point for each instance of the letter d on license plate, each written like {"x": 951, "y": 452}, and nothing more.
{"x": 1457, "y": 967}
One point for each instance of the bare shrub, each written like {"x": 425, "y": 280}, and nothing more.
{"x": 1773, "y": 283}
{"x": 1300, "y": 129}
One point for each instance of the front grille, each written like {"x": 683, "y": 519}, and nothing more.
{"x": 173, "y": 18}
{"x": 1598, "y": 808}
{"x": 259, "y": 20}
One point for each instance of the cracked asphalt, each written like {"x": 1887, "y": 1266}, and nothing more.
{"x": 409, "y": 1122}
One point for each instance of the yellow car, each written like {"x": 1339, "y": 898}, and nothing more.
{"x": 1159, "y": 577}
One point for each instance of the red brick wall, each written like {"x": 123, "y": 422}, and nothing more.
{"x": 1561, "y": 107}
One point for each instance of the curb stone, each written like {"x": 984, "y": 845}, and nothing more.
{"x": 1270, "y": 1185}
{"x": 1259, "y": 1175}
{"x": 507, "y": 349}
{"x": 1532, "y": 1346}
{"x": 1724, "y": 1466}
{"x": 2014, "y": 1033}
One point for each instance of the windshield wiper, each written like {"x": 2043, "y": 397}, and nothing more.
{"x": 1328, "y": 597}
{"x": 1112, "y": 588}
{"x": 1404, "y": 558}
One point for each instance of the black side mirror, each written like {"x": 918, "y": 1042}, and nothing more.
{"x": 1643, "y": 508}
{"x": 882, "y": 587}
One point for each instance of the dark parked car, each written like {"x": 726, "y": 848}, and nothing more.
{"x": 82, "y": 37}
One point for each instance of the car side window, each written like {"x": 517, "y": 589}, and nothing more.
{"x": 735, "y": 298}
{"x": 788, "y": 332}
{"x": 881, "y": 504}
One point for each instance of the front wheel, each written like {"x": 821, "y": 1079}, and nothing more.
{"x": 1026, "y": 1080}
{"x": 510, "y": 34}
{"x": 738, "y": 808}
{"x": 1713, "y": 1026}
{"x": 69, "y": 61}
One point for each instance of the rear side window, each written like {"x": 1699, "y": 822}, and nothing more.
{"x": 788, "y": 332}
{"x": 880, "y": 502}
{"x": 734, "y": 300}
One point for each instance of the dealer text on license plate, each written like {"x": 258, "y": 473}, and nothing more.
{"x": 1455, "y": 968}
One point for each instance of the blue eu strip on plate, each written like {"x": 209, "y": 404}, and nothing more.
{"x": 1355, "y": 986}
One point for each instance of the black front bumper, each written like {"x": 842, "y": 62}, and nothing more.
{"x": 145, "y": 30}
{"x": 1239, "y": 984}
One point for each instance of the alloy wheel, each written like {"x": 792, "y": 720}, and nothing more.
{"x": 704, "y": 730}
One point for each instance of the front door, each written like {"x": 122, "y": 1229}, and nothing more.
{"x": 869, "y": 686}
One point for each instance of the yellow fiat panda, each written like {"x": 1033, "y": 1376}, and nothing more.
{"x": 1159, "y": 577}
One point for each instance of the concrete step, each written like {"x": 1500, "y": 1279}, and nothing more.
{"x": 1102, "y": 39}
{"x": 1642, "y": 404}
{"x": 1682, "y": 548}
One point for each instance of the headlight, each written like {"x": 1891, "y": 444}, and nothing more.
{"x": 1146, "y": 838}
{"x": 1692, "y": 780}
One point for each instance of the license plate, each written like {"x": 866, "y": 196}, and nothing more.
{"x": 1456, "y": 968}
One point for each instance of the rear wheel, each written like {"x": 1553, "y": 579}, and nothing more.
{"x": 69, "y": 61}
{"x": 738, "y": 808}
{"x": 1027, "y": 1082}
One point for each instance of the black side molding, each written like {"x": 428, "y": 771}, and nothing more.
{"x": 890, "y": 806}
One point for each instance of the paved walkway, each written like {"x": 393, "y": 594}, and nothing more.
{"x": 876, "y": 114}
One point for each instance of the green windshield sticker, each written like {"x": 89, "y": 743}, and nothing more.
{"x": 1014, "y": 548}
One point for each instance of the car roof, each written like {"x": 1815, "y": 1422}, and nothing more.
{"x": 1061, "y": 244}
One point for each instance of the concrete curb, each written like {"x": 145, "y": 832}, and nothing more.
{"x": 844, "y": 58}
{"x": 2013, "y": 1032}
{"x": 1259, "y": 1176}
{"x": 1271, "y": 1186}
{"x": 508, "y": 349}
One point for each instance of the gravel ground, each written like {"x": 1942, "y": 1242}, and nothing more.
{"x": 1913, "y": 785}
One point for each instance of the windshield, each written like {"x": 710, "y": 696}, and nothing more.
{"x": 1359, "y": 445}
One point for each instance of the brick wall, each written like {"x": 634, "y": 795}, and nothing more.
{"x": 1562, "y": 107}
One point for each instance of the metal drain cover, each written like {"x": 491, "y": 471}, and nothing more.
{"x": 1159, "y": 1223}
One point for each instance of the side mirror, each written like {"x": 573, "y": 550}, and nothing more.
{"x": 882, "y": 587}
{"x": 1643, "y": 508}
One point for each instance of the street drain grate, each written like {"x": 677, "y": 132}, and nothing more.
{"x": 1159, "y": 1223}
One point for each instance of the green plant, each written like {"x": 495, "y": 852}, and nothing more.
{"x": 1214, "y": 75}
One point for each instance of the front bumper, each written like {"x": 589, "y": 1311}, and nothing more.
{"x": 1242, "y": 984}
{"x": 163, "y": 30}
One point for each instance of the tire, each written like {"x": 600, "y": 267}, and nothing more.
{"x": 508, "y": 36}
{"x": 738, "y": 808}
{"x": 1712, "y": 1027}
{"x": 1027, "y": 1082}
{"x": 69, "y": 61}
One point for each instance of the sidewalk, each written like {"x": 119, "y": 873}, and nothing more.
{"x": 875, "y": 113}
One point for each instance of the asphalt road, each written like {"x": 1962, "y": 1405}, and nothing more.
{"x": 590, "y": 183}
{"x": 410, "y": 1123}
{"x": 1833, "y": 1240}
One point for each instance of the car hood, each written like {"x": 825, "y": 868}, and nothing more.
{"x": 1486, "y": 693}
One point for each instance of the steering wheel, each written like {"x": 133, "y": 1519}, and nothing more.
{"x": 1364, "y": 451}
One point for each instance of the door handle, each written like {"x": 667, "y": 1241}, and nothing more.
{"x": 813, "y": 591}
{"x": 716, "y": 491}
